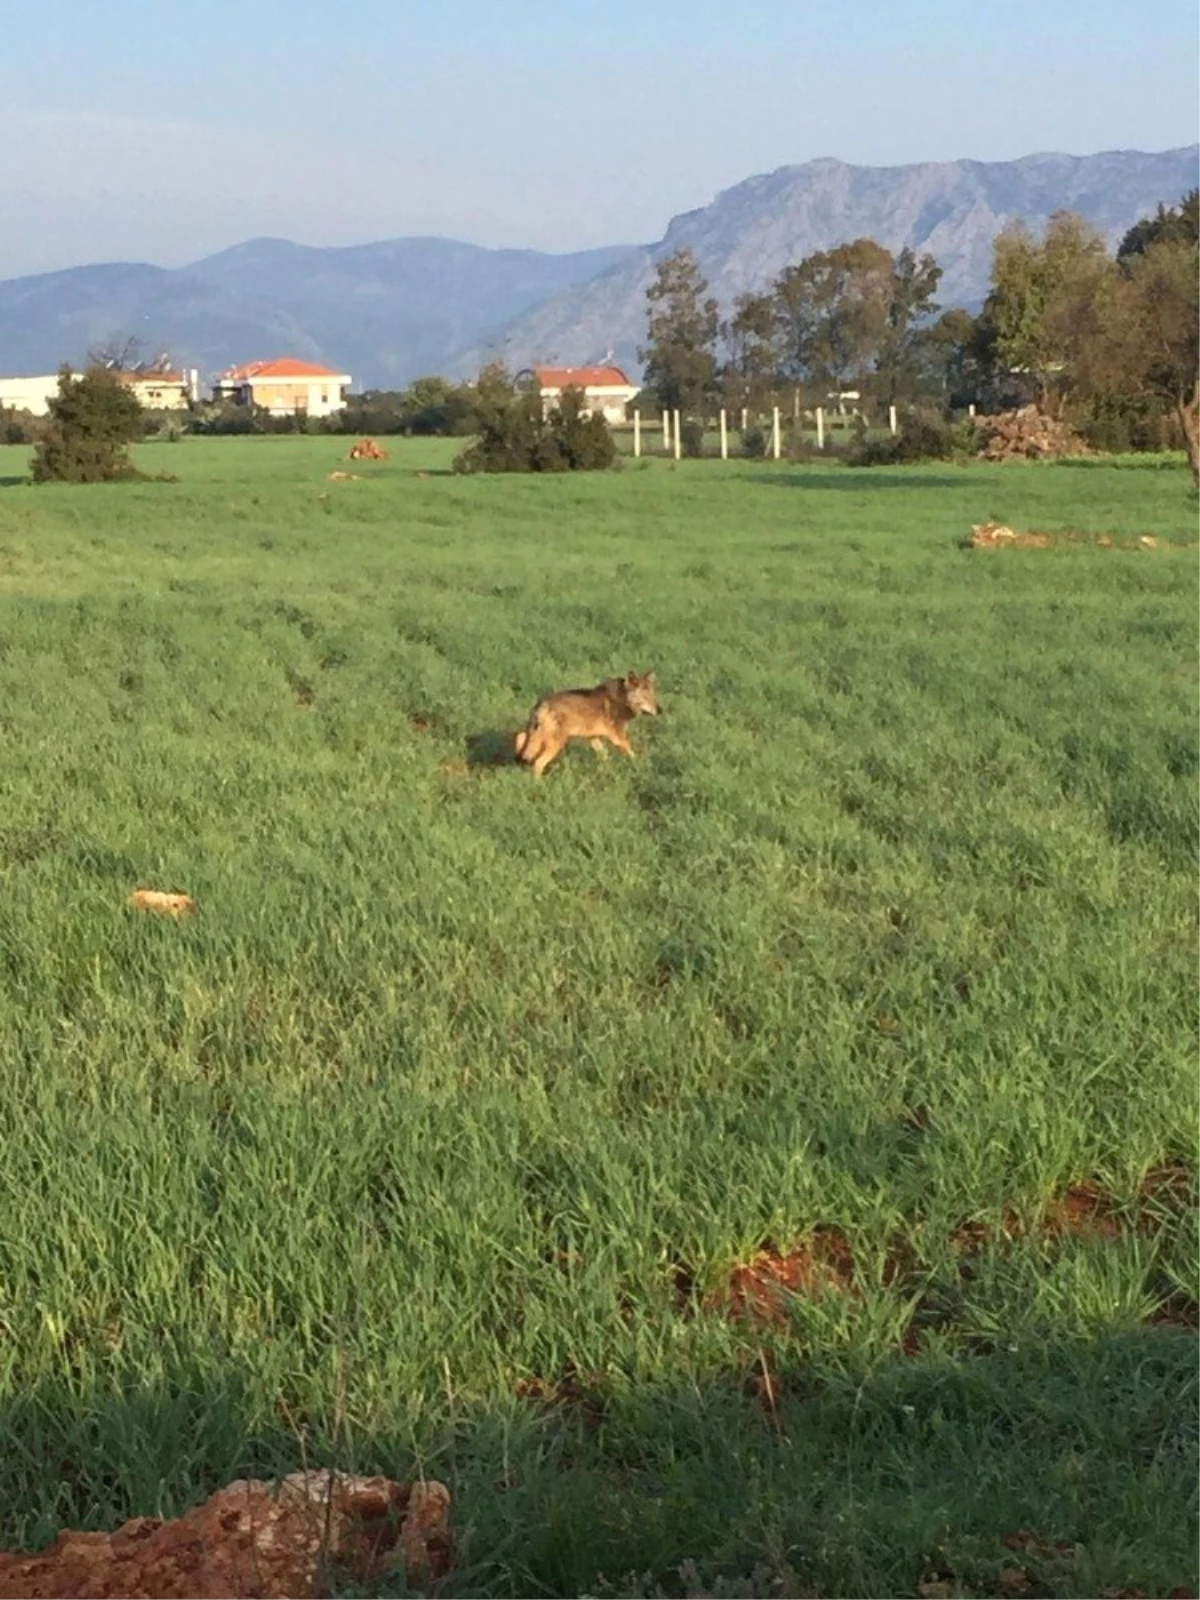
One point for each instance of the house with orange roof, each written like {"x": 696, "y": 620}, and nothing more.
{"x": 606, "y": 389}
{"x": 284, "y": 386}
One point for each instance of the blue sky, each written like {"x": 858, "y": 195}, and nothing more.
{"x": 161, "y": 130}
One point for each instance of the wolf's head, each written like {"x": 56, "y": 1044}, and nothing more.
{"x": 641, "y": 695}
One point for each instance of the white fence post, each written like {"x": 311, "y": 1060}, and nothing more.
{"x": 971, "y": 411}
{"x": 724, "y": 437}
{"x": 892, "y": 418}
{"x": 666, "y": 433}
{"x": 775, "y": 433}
{"x": 744, "y": 409}
{"x": 678, "y": 439}
{"x": 637, "y": 433}
{"x": 820, "y": 427}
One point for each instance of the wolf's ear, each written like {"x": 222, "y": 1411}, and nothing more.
{"x": 631, "y": 678}
{"x": 649, "y": 679}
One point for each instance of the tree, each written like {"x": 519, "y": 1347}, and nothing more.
{"x": 1176, "y": 222}
{"x": 751, "y": 339}
{"x": 515, "y": 435}
{"x": 832, "y": 311}
{"x": 679, "y": 356}
{"x": 910, "y": 309}
{"x": 1147, "y": 334}
{"x": 93, "y": 419}
{"x": 1036, "y": 309}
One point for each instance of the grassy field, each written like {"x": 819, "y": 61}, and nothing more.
{"x": 763, "y": 1167}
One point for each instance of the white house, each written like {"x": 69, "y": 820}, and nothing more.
{"x": 285, "y": 386}
{"x": 605, "y": 389}
{"x": 29, "y": 394}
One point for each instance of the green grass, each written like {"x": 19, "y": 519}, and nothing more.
{"x": 455, "y": 1077}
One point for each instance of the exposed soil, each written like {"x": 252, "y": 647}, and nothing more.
{"x": 759, "y": 1291}
{"x": 998, "y": 536}
{"x": 252, "y": 1538}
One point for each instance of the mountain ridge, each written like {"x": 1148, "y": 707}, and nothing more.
{"x": 390, "y": 310}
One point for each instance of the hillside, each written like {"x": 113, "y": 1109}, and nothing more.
{"x": 390, "y": 311}
{"x": 750, "y": 232}
{"x": 386, "y": 312}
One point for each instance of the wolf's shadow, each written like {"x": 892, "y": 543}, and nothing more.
{"x": 495, "y": 748}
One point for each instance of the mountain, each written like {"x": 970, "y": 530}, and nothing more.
{"x": 384, "y": 312}
{"x": 391, "y": 311}
{"x": 751, "y": 232}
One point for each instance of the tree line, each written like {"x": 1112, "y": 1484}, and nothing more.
{"x": 1109, "y": 342}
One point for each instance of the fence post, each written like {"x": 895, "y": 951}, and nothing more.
{"x": 892, "y": 418}
{"x": 637, "y": 433}
{"x": 820, "y": 427}
{"x": 971, "y": 411}
{"x": 775, "y": 433}
{"x": 744, "y": 410}
{"x": 666, "y": 433}
{"x": 724, "y": 437}
{"x": 678, "y": 439}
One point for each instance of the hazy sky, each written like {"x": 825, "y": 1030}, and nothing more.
{"x": 162, "y": 130}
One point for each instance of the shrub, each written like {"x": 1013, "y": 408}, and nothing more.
{"x": 923, "y": 436}
{"x": 93, "y": 420}
{"x": 754, "y": 443}
{"x": 19, "y": 426}
{"x": 691, "y": 437}
{"x": 514, "y": 436}
{"x": 1120, "y": 423}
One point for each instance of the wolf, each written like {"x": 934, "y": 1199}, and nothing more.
{"x": 604, "y": 712}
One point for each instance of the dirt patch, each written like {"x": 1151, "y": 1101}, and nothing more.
{"x": 165, "y": 904}
{"x": 252, "y": 1539}
{"x": 1083, "y": 1212}
{"x": 999, "y": 536}
{"x": 760, "y": 1291}
{"x": 341, "y": 477}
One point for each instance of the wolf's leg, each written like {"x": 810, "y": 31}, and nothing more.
{"x": 601, "y": 749}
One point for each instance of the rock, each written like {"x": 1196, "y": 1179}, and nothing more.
{"x": 252, "y": 1539}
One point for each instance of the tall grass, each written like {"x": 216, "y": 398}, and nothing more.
{"x": 424, "y": 1144}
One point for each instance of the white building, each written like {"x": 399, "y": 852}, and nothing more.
{"x": 605, "y": 389}
{"x": 285, "y": 386}
{"x": 29, "y": 394}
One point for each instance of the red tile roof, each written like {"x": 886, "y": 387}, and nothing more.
{"x": 281, "y": 367}
{"x": 582, "y": 378}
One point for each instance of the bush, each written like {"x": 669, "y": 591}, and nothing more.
{"x": 923, "y": 436}
{"x": 93, "y": 420}
{"x": 691, "y": 437}
{"x": 514, "y": 436}
{"x": 754, "y": 443}
{"x": 20, "y": 427}
{"x": 1122, "y": 423}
